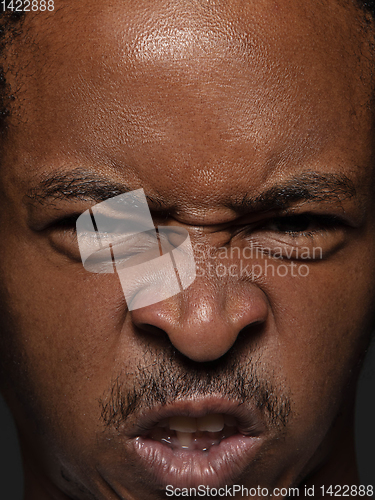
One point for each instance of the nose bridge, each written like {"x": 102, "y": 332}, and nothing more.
{"x": 204, "y": 302}
{"x": 204, "y": 321}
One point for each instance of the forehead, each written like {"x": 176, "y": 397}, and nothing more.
{"x": 213, "y": 90}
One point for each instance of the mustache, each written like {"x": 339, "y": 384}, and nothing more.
{"x": 169, "y": 377}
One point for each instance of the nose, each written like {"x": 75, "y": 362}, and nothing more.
{"x": 204, "y": 321}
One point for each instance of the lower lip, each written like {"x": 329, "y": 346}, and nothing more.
{"x": 216, "y": 467}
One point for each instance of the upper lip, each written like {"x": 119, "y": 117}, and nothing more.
{"x": 250, "y": 421}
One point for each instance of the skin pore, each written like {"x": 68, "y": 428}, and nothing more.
{"x": 237, "y": 119}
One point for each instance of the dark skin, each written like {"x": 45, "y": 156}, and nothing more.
{"x": 202, "y": 105}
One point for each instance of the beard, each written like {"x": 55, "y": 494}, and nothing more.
{"x": 165, "y": 376}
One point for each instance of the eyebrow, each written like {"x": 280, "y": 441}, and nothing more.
{"x": 309, "y": 186}
{"x": 87, "y": 186}
{"x": 79, "y": 185}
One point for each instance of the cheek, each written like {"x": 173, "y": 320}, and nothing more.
{"x": 64, "y": 325}
{"x": 322, "y": 325}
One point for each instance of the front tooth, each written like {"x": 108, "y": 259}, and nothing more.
{"x": 185, "y": 438}
{"x": 211, "y": 423}
{"x": 183, "y": 424}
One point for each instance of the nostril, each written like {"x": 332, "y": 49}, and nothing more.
{"x": 148, "y": 328}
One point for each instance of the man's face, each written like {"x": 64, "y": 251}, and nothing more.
{"x": 249, "y": 126}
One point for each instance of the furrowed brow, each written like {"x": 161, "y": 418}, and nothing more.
{"x": 87, "y": 186}
{"x": 78, "y": 185}
{"x": 310, "y": 186}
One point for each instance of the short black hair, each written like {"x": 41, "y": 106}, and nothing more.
{"x": 369, "y": 5}
{"x": 11, "y": 26}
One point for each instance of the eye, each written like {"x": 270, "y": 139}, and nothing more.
{"x": 67, "y": 223}
{"x": 62, "y": 235}
{"x": 128, "y": 248}
{"x": 298, "y": 236}
{"x": 301, "y": 224}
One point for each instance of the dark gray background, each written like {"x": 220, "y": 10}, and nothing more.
{"x": 11, "y": 483}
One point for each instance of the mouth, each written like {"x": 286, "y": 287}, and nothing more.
{"x": 187, "y": 433}
{"x": 189, "y": 444}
